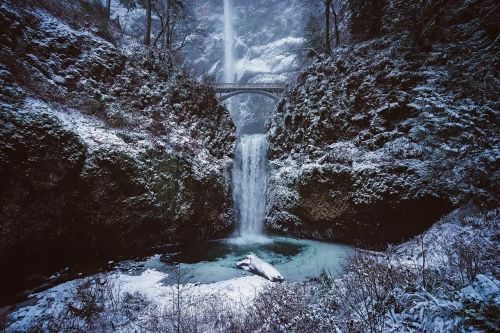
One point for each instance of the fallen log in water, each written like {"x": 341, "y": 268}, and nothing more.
{"x": 258, "y": 266}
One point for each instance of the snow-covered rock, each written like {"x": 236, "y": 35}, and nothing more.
{"x": 103, "y": 150}
{"x": 382, "y": 138}
{"x": 258, "y": 266}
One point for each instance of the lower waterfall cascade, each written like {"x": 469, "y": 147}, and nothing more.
{"x": 249, "y": 185}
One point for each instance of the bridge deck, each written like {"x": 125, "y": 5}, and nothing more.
{"x": 230, "y": 87}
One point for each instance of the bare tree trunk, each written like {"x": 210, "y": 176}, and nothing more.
{"x": 108, "y": 8}
{"x": 336, "y": 26}
{"x": 169, "y": 33}
{"x": 327, "y": 26}
{"x": 423, "y": 260}
{"x": 147, "y": 38}
{"x": 161, "y": 34}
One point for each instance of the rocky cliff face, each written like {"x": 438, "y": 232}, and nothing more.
{"x": 379, "y": 140}
{"x": 103, "y": 150}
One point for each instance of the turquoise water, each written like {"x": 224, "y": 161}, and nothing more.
{"x": 213, "y": 261}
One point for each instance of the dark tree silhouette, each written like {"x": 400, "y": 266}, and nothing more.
{"x": 335, "y": 24}
{"x": 147, "y": 38}
{"x": 366, "y": 20}
{"x": 108, "y": 8}
{"x": 170, "y": 13}
{"x": 328, "y": 48}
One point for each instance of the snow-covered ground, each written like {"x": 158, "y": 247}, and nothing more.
{"x": 49, "y": 305}
{"x": 424, "y": 284}
{"x": 207, "y": 276}
{"x": 449, "y": 283}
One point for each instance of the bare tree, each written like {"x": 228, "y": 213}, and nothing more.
{"x": 170, "y": 13}
{"x": 318, "y": 30}
{"x": 178, "y": 24}
{"x": 147, "y": 38}
{"x": 313, "y": 36}
{"x": 335, "y": 24}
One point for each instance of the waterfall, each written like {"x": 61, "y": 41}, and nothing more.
{"x": 249, "y": 185}
{"x": 228, "y": 42}
{"x": 249, "y": 174}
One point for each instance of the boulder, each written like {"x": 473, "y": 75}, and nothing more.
{"x": 258, "y": 266}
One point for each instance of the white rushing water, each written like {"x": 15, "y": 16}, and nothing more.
{"x": 249, "y": 186}
{"x": 250, "y": 165}
{"x": 228, "y": 41}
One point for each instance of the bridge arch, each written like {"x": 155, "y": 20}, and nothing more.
{"x": 240, "y": 92}
{"x": 228, "y": 90}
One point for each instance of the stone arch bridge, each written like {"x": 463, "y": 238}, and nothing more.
{"x": 228, "y": 90}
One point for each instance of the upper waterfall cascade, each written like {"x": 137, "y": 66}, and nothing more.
{"x": 229, "y": 63}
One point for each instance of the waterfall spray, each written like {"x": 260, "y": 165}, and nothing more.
{"x": 228, "y": 42}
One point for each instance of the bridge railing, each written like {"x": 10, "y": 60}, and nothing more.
{"x": 249, "y": 86}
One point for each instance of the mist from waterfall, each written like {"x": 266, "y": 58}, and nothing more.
{"x": 228, "y": 41}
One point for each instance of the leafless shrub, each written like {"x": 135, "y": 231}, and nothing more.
{"x": 186, "y": 309}
{"x": 94, "y": 305}
{"x": 469, "y": 256}
{"x": 378, "y": 292}
{"x": 296, "y": 307}
{"x": 97, "y": 304}
{"x": 366, "y": 293}
{"x": 179, "y": 316}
